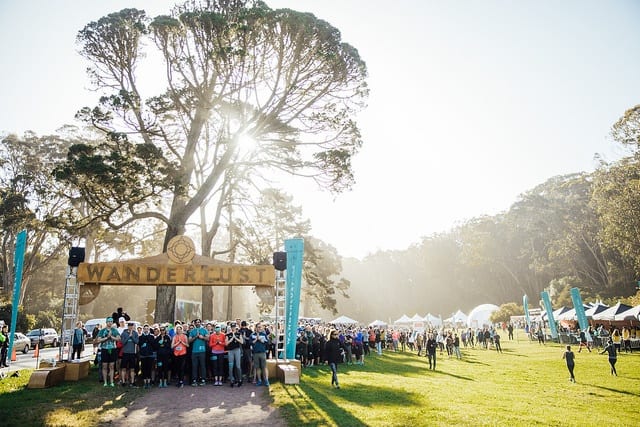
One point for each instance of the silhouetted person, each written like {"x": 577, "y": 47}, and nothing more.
{"x": 570, "y": 357}
{"x": 120, "y": 313}
{"x": 613, "y": 356}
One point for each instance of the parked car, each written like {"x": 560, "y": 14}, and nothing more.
{"x": 21, "y": 342}
{"x": 91, "y": 324}
{"x": 43, "y": 337}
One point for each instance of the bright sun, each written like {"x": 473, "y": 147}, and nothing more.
{"x": 246, "y": 143}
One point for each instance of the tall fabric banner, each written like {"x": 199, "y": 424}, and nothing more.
{"x": 579, "y": 306}
{"x": 18, "y": 262}
{"x": 525, "y": 304}
{"x": 295, "y": 252}
{"x": 547, "y": 306}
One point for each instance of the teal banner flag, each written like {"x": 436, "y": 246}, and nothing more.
{"x": 579, "y": 306}
{"x": 18, "y": 263}
{"x": 295, "y": 251}
{"x": 547, "y": 306}
{"x": 525, "y": 304}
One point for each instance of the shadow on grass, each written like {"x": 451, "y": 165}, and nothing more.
{"x": 35, "y": 406}
{"x": 617, "y": 391}
{"x": 473, "y": 359}
{"x": 318, "y": 405}
{"x": 441, "y": 372}
{"x": 512, "y": 352}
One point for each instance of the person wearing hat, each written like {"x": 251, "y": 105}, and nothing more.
{"x": 234, "y": 341}
{"x": 163, "y": 344}
{"x": 108, "y": 337}
{"x": 259, "y": 347}
{"x": 122, "y": 324}
{"x": 129, "y": 339}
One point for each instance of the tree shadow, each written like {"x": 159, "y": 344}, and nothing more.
{"x": 313, "y": 403}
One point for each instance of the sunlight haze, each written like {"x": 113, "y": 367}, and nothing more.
{"x": 472, "y": 102}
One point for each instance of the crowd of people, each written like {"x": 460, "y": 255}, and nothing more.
{"x": 235, "y": 352}
{"x": 179, "y": 353}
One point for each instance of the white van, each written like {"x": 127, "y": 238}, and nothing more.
{"x": 91, "y": 324}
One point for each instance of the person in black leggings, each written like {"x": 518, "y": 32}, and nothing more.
{"x": 613, "y": 356}
{"x": 570, "y": 357}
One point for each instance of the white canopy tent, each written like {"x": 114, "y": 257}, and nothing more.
{"x": 457, "y": 317}
{"x": 433, "y": 320}
{"x": 378, "y": 323}
{"x": 571, "y": 314}
{"x": 596, "y": 308}
{"x": 631, "y": 314}
{"x": 344, "y": 320}
{"x": 610, "y": 313}
{"x": 556, "y": 312}
{"x": 403, "y": 320}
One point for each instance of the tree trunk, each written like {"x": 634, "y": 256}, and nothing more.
{"x": 229, "y": 302}
{"x": 165, "y": 303}
{"x": 207, "y": 302}
{"x": 166, "y": 295}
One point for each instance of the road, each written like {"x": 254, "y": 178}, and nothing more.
{"x": 27, "y": 361}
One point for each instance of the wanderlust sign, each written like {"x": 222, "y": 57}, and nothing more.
{"x": 123, "y": 273}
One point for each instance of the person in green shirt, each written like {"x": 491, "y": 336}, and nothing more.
{"x": 107, "y": 337}
{"x": 198, "y": 339}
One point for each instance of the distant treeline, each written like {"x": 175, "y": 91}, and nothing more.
{"x": 578, "y": 230}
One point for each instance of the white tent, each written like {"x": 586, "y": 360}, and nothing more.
{"x": 556, "y": 312}
{"x": 571, "y": 314}
{"x": 610, "y": 313}
{"x": 479, "y": 316}
{"x": 631, "y": 314}
{"x": 344, "y": 320}
{"x": 596, "y": 308}
{"x": 403, "y": 319}
{"x": 378, "y": 323}
{"x": 457, "y": 317}
{"x": 430, "y": 318}
{"x": 417, "y": 318}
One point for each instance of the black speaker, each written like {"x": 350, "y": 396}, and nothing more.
{"x": 76, "y": 256}
{"x": 280, "y": 261}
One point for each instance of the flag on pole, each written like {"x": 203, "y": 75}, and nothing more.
{"x": 547, "y": 306}
{"x": 525, "y": 304}
{"x": 295, "y": 251}
{"x": 579, "y": 306}
{"x": 18, "y": 262}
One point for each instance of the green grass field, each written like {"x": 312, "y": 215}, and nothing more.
{"x": 524, "y": 386}
{"x": 528, "y": 384}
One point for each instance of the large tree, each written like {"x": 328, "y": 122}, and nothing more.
{"x": 30, "y": 200}
{"x": 228, "y": 71}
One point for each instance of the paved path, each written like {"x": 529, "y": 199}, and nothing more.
{"x": 198, "y": 406}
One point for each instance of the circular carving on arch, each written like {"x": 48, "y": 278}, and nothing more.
{"x": 88, "y": 292}
{"x": 181, "y": 250}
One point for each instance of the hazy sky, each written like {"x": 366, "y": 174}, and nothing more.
{"x": 472, "y": 102}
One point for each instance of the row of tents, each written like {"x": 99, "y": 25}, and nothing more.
{"x": 599, "y": 312}
{"x": 404, "y": 320}
{"x": 480, "y": 315}
{"x": 428, "y": 318}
